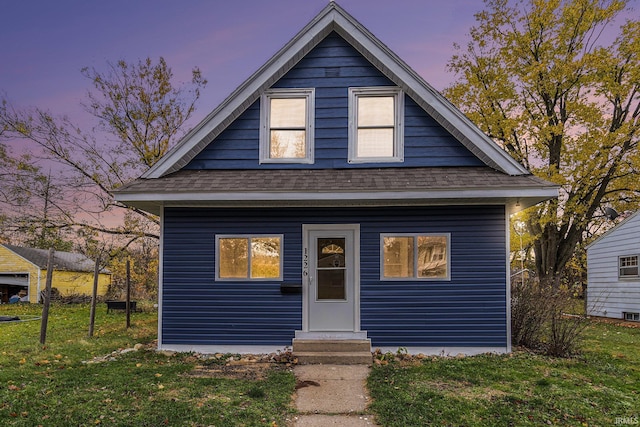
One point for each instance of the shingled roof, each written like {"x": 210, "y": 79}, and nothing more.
{"x": 65, "y": 261}
{"x": 336, "y": 186}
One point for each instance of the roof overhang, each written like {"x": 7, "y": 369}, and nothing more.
{"x": 337, "y": 187}
{"x": 515, "y": 200}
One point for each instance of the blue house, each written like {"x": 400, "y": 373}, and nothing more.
{"x": 335, "y": 195}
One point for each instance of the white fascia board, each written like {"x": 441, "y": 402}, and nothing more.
{"x": 383, "y": 195}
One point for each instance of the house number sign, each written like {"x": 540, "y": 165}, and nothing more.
{"x": 305, "y": 263}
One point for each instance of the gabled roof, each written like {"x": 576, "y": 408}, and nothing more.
{"x": 630, "y": 219}
{"x": 66, "y": 261}
{"x": 334, "y": 18}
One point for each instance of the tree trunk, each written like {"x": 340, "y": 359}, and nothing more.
{"x": 546, "y": 255}
{"x": 553, "y": 249}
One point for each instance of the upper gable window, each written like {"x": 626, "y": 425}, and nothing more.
{"x": 376, "y": 116}
{"x": 286, "y": 126}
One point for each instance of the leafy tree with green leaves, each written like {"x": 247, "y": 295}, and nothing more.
{"x": 542, "y": 79}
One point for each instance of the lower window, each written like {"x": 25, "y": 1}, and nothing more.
{"x": 241, "y": 257}
{"x": 632, "y": 316}
{"x": 415, "y": 257}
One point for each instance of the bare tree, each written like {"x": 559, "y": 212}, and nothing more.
{"x": 140, "y": 113}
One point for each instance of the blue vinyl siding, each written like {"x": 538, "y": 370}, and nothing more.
{"x": 469, "y": 310}
{"x": 426, "y": 142}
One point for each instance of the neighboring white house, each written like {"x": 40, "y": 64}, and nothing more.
{"x": 613, "y": 272}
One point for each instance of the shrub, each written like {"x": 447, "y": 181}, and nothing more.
{"x": 564, "y": 331}
{"x": 539, "y": 319}
{"x": 528, "y": 314}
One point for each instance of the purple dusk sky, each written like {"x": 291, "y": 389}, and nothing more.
{"x": 44, "y": 44}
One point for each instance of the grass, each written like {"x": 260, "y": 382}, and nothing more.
{"x": 523, "y": 389}
{"x": 52, "y": 385}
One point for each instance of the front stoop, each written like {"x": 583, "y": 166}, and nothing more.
{"x": 332, "y": 352}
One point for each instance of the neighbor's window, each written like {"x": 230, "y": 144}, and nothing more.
{"x": 286, "y": 128}
{"x": 632, "y": 316}
{"x": 375, "y": 125}
{"x": 415, "y": 256}
{"x": 628, "y": 266}
{"x": 249, "y": 257}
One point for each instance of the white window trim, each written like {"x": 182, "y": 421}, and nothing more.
{"x": 398, "y": 142}
{"x": 249, "y": 278}
{"x": 628, "y": 277}
{"x": 632, "y": 317}
{"x": 415, "y": 278}
{"x": 265, "y": 134}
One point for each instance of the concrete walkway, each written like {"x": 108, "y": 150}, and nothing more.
{"x": 331, "y": 395}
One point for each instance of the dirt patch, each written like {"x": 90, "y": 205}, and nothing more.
{"x": 250, "y": 371}
{"x": 246, "y": 367}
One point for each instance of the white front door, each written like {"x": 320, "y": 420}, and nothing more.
{"x": 331, "y": 268}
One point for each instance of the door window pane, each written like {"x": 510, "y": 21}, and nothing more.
{"x": 331, "y": 284}
{"x": 331, "y": 269}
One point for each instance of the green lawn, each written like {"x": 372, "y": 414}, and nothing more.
{"x": 599, "y": 388}
{"x": 54, "y": 386}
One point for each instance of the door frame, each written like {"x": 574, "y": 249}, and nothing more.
{"x": 306, "y": 253}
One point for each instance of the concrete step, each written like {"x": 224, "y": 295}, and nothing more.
{"x": 330, "y": 351}
{"x": 334, "y": 358}
{"x": 326, "y": 345}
